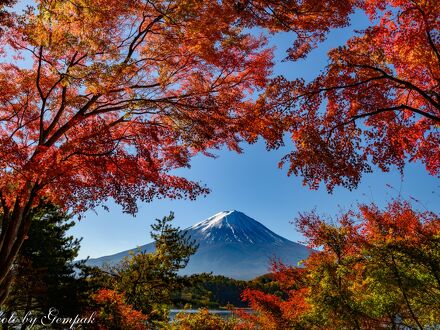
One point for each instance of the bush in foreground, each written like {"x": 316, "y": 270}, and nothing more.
{"x": 203, "y": 320}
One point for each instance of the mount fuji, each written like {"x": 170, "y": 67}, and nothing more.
{"x": 230, "y": 244}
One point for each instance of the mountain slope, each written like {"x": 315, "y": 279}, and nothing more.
{"x": 230, "y": 244}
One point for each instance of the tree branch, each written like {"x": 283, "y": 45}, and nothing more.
{"x": 400, "y": 81}
{"x": 378, "y": 111}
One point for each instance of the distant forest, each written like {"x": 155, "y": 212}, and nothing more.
{"x": 216, "y": 291}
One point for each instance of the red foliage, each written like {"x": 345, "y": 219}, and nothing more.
{"x": 400, "y": 223}
{"x": 372, "y": 269}
{"x": 114, "y": 313}
{"x": 377, "y": 101}
{"x": 120, "y": 93}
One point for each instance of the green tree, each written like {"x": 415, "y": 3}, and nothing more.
{"x": 149, "y": 279}
{"x": 45, "y": 274}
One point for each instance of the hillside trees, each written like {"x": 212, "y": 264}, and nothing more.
{"x": 374, "y": 269}
{"x": 113, "y": 95}
{"x": 210, "y": 291}
{"x": 216, "y": 291}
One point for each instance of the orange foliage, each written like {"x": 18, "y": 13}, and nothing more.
{"x": 372, "y": 270}
{"x": 114, "y": 313}
{"x": 122, "y": 92}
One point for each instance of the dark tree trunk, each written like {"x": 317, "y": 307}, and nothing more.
{"x": 15, "y": 223}
{"x": 12, "y": 241}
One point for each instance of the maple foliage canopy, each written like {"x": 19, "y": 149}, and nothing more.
{"x": 121, "y": 92}
{"x": 104, "y": 99}
{"x": 376, "y": 102}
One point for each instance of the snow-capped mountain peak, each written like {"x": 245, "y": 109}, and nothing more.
{"x": 233, "y": 226}
{"x": 215, "y": 221}
{"x": 230, "y": 244}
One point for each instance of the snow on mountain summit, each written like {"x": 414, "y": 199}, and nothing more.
{"x": 214, "y": 221}
{"x": 233, "y": 226}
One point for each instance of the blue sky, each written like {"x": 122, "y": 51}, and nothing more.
{"x": 252, "y": 183}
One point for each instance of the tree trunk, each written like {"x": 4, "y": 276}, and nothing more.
{"x": 14, "y": 229}
{"x": 8, "y": 252}
{"x": 15, "y": 223}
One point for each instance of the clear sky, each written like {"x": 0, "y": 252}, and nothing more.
{"x": 252, "y": 183}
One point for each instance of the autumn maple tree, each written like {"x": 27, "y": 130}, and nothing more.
{"x": 376, "y": 102}
{"x": 113, "y": 312}
{"x": 102, "y": 99}
{"x": 372, "y": 269}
